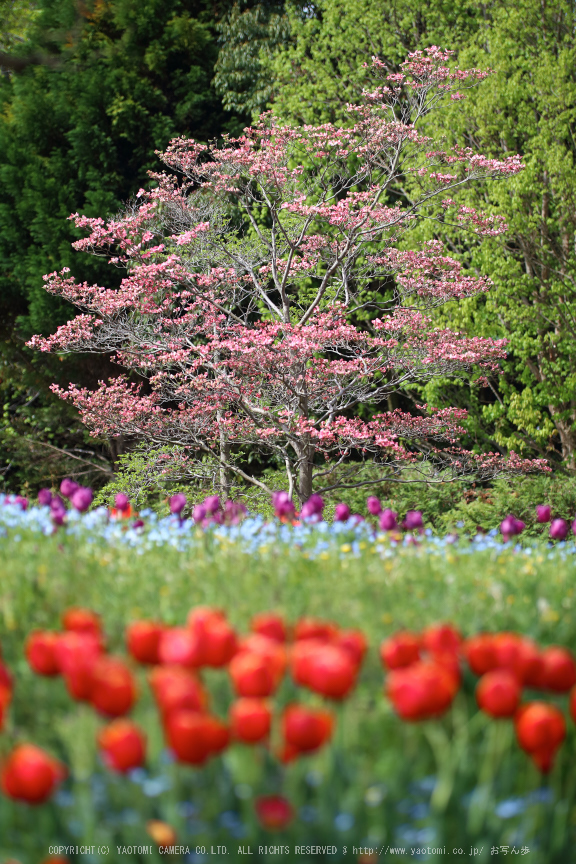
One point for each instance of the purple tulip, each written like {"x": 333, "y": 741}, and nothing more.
{"x": 199, "y": 513}
{"x": 388, "y": 520}
{"x": 283, "y": 505}
{"x": 68, "y": 487}
{"x": 313, "y": 508}
{"x": 341, "y": 513}
{"x": 543, "y": 513}
{"x": 234, "y": 512}
{"x": 23, "y": 502}
{"x": 212, "y": 504}
{"x": 57, "y": 511}
{"x": 139, "y": 523}
{"x": 374, "y": 506}
{"x": 81, "y": 498}
{"x": 177, "y": 503}
{"x": 413, "y": 520}
{"x": 44, "y": 497}
{"x": 558, "y": 529}
{"x": 519, "y": 526}
{"x": 508, "y": 527}
{"x": 121, "y": 501}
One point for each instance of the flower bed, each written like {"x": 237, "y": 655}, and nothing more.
{"x": 348, "y": 533}
{"x": 420, "y": 766}
{"x": 254, "y": 740}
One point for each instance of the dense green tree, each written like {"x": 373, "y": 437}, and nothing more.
{"x": 528, "y": 106}
{"x": 249, "y": 36}
{"x": 78, "y": 133}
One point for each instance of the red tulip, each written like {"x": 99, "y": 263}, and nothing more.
{"x": 29, "y": 774}
{"x": 218, "y": 734}
{"x": 517, "y": 654}
{"x": 176, "y": 689}
{"x": 421, "y": 691}
{"x": 498, "y": 693}
{"x": 113, "y": 687}
{"x": 480, "y": 653}
{"x": 315, "y": 628}
{"x": 442, "y": 639}
{"x": 250, "y": 720}
{"x": 273, "y": 652}
{"x": 300, "y": 659}
{"x": 558, "y": 669}
{"x": 189, "y": 736}
{"x": 331, "y": 672}
{"x": 400, "y": 650}
{"x": 198, "y": 616}
{"x": 529, "y": 664}
{"x": 76, "y": 655}
{"x": 143, "y": 641}
{"x": 179, "y": 646}
{"x": 81, "y": 621}
{"x": 5, "y": 698}
{"x": 41, "y": 652}
{"x": 219, "y": 643}
{"x": 306, "y": 729}
{"x": 274, "y": 812}
{"x": 5, "y": 677}
{"x": 271, "y": 625}
{"x": 509, "y": 649}
{"x": 72, "y": 647}
{"x": 354, "y": 643}
{"x": 539, "y": 727}
{"x": 451, "y": 663}
{"x": 123, "y": 745}
{"x": 251, "y": 675}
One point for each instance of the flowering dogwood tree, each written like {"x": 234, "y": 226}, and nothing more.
{"x": 248, "y": 279}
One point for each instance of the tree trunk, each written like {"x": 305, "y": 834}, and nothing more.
{"x": 305, "y": 474}
{"x": 224, "y": 485}
{"x": 567, "y": 437}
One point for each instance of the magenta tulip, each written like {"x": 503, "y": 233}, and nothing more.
{"x": 68, "y": 487}
{"x": 313, "y": 508}
{"x": 388, "y": 520}
{"x": 374, "y": 506}
{"x": 558, "y": 529}
{"x": 283, "y": 505}
{"x": 121, "y": 501}
{"x": 543, "y": 513}
{"x": 81, "y": 498}
{"x": 413, "y": 520}
{"x": 341, "y": 513}
{"x": 44, "y": 497}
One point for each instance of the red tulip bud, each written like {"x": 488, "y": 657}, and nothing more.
{"x": 143, "y": 641}
{"x": 41, "y": 652}
{"x": 274, "y": 812}
{"x": 113, "y": 687}
{"x": 498, "y": 693}
{"x": 306, "y": 729}
{"x": 122, "y": 745}
{"x": 250, "y": 720}
{"x": 29, "y": 774}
